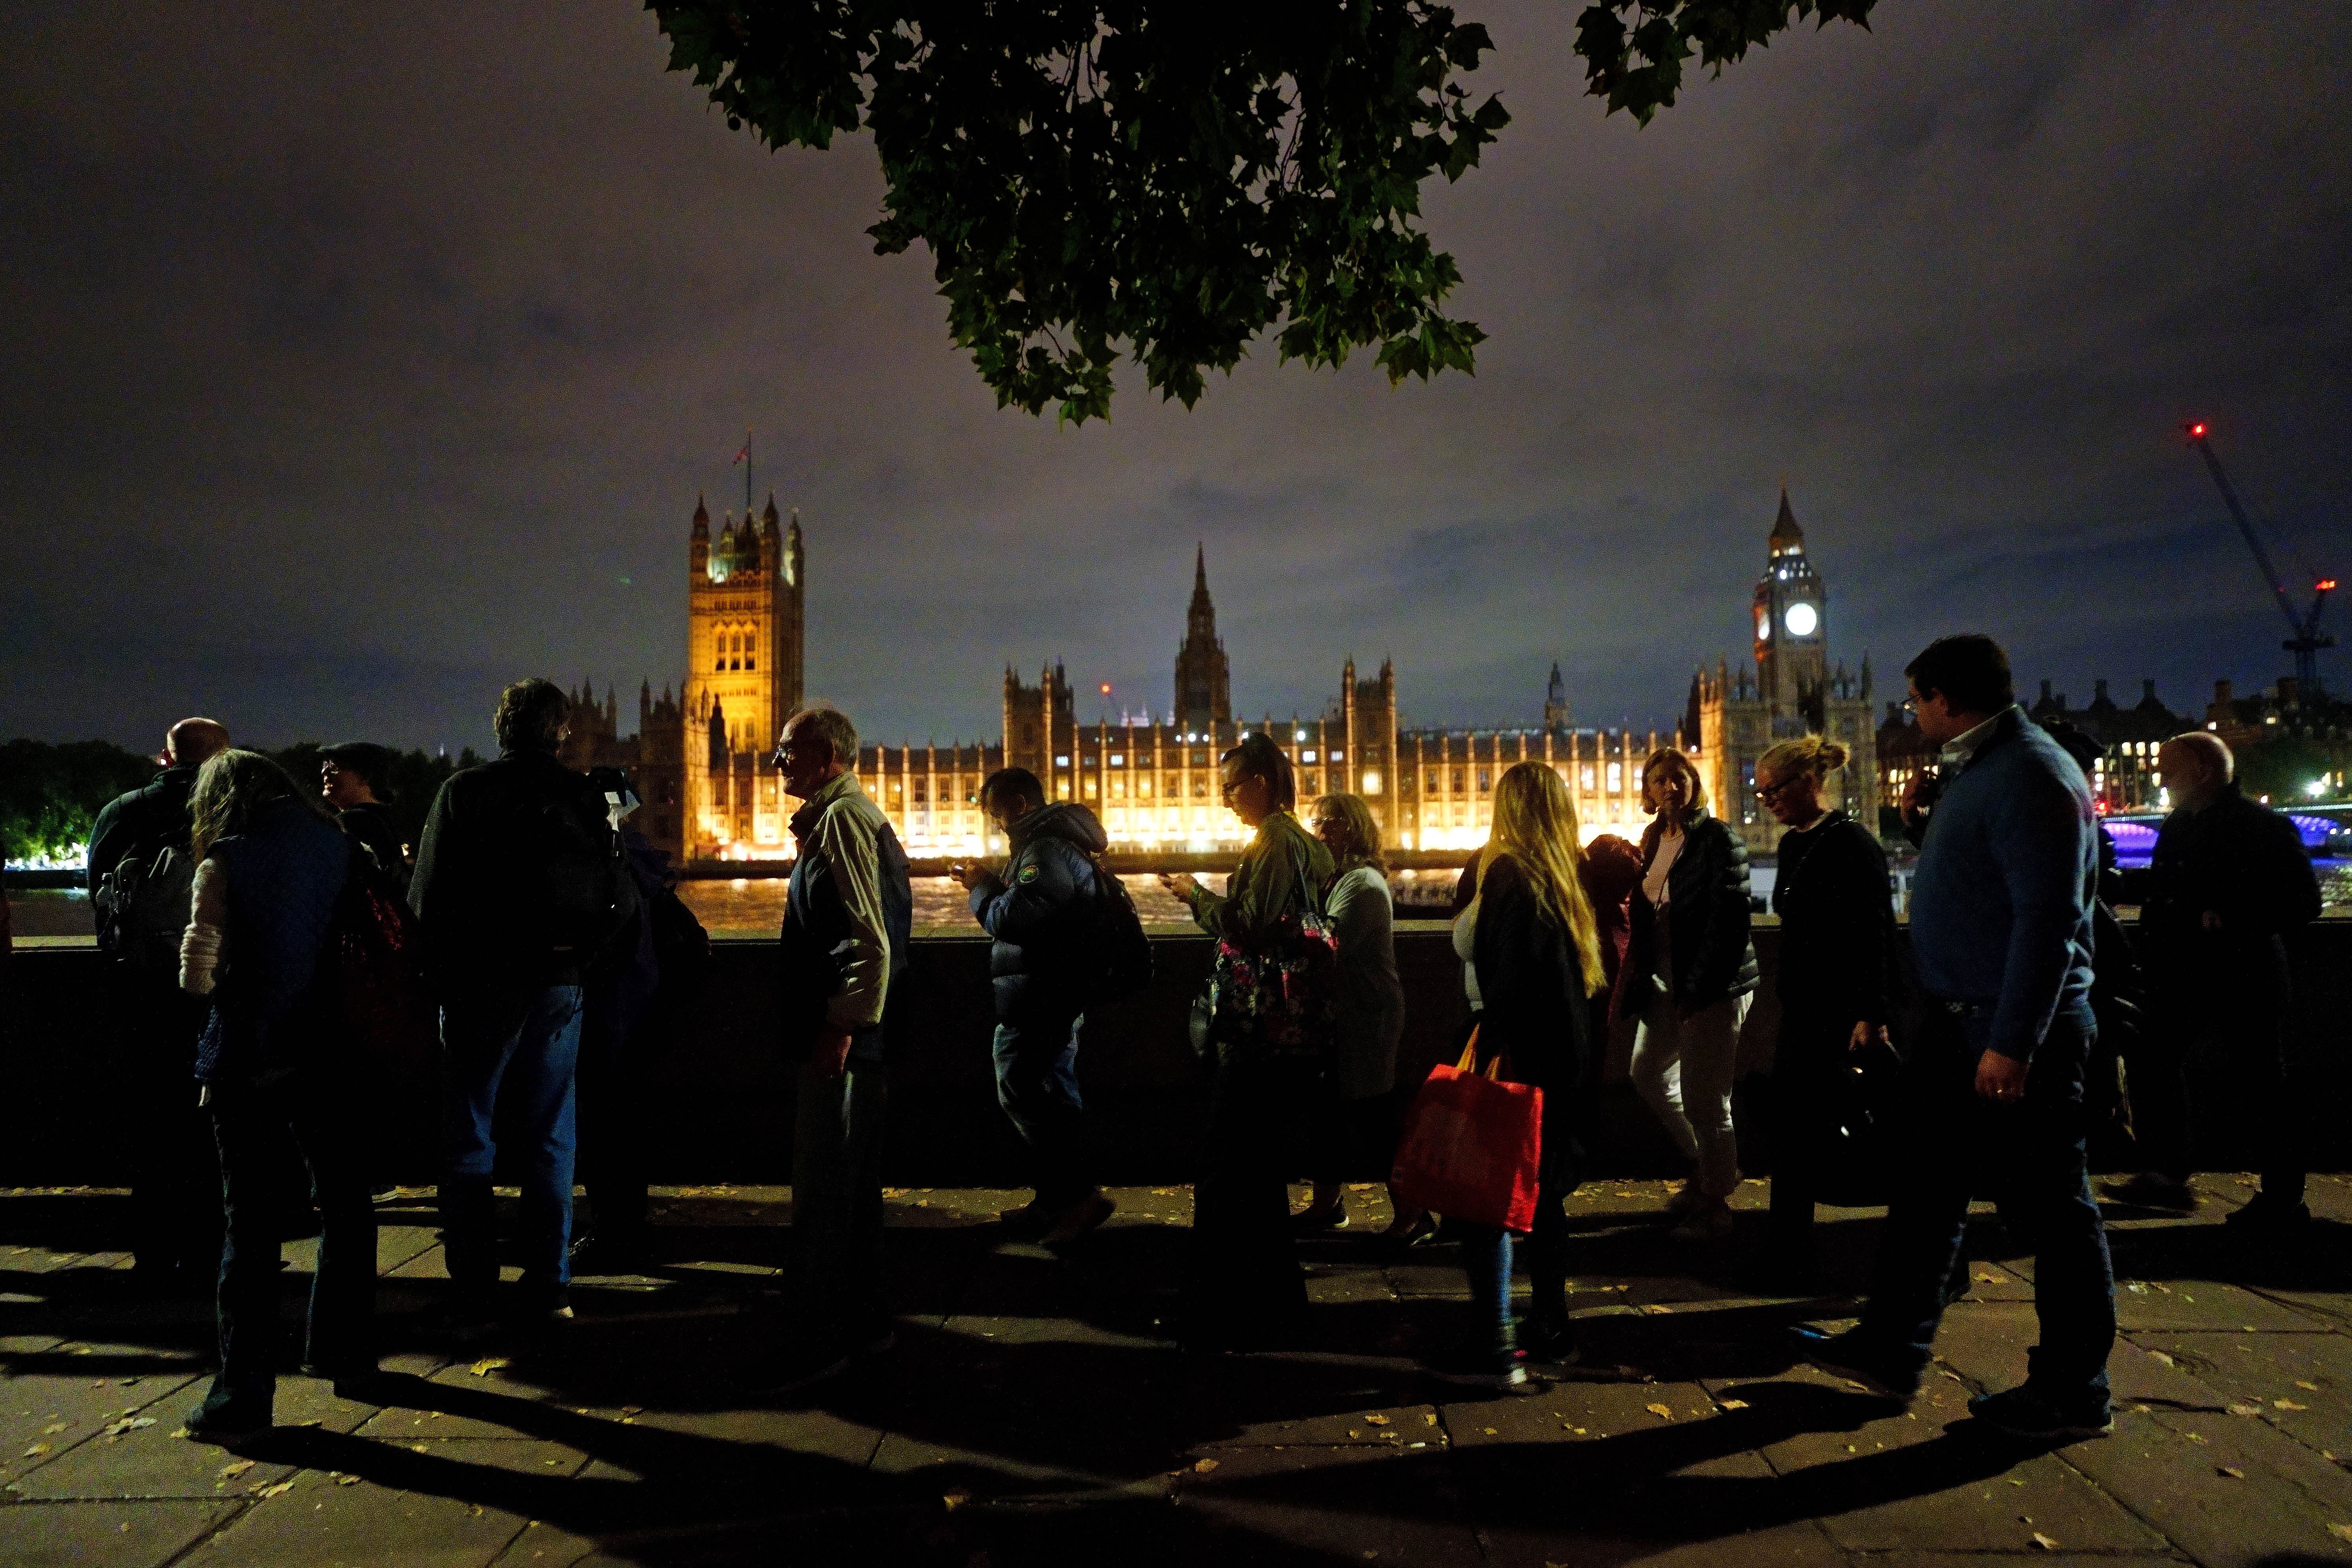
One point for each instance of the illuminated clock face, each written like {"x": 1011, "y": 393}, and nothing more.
{"x": 1763, "y": 623}
{"x": 1800, "y": 620}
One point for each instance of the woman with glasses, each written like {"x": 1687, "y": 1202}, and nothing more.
{"x": 1837, "y": 950}
{"x": 1691, "y": 972}
{"x": 1245, "y": 1288}
{"x": 1360, "y": 1107}
{"x": 1530, "y": 944}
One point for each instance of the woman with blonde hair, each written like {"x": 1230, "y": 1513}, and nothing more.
{"x": 1689, "y": 975}
{"x": 1531, "y": 945}
{"x": 1359, "y": 1112}
{"x": 270, "y": 867}
{"x": 1837, "y": 954}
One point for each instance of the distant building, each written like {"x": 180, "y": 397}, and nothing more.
{"x": 2125, "y": 778}
{"x": 1794, "y": 691}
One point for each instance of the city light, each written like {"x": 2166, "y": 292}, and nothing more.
{"x": 2197, "y": 431}
{"x": 2315, "y": 788}
{"x": 2325, "y": 586}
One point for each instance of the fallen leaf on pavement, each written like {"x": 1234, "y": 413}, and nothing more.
{"x": 2044, "y": 1543}
{"x": 2231, "y": 1471}
{"x": 488, "y": 1364}
{"x": 1203, "y": 1467}
{"x": 55, "y": 1427}
{"x": 2300, "y": 1383}
{"x": 1379, "y": 1420}
{"x": 2288, "y": 1405}
{"x": 2245, "y": 1410}
{"x": 1733, "y": 1404}
{"x": 1657, "y": 1309}
{"x": 343, "y": 1480}
{"x": 2341, "y": 1532}
{"x": 280, "y": 1489}
{"x": 238, "y": 1467}
{"x": 1665, "y": 1410}
{"x": 37, "y": 1451}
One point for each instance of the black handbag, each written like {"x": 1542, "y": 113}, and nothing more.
{"x": 1855, "y": 1160}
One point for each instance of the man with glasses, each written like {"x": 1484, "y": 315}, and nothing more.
{"x": 848, "y": 912}
{"x": 2000, "y": 932}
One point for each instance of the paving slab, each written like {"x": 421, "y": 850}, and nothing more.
{"x": 2225, "y": 1492}
{"x": 1346, "y": 1503}
{"x": 2302, "y": 1383}
{"x": 106, "y": 1534}
{"x": 321, "y": 1521}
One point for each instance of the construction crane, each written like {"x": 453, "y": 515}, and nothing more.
{"x": 2306, "y": 642}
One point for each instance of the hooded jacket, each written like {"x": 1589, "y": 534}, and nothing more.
{"x": 1036, "y": 911}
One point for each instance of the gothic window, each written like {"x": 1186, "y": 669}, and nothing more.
{"x": 1457, "y": 781}
{"x": 1169, "y": 791}
{"x": 751, "y": 650}
{"x": 1486, "y": 780}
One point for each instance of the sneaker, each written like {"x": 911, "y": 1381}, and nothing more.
{"x": 804, "y": 1368}
{"x": 224, "y": 1424}
{"x": 1704, "y": 1223}
{"x": 2269, "y": 1216}
{"x": 2027, "y": 1413}
{"x": 1850, "y": 1356}
{"x": 1411, "y": 1230}
{"x": 1550, "y": 1344}
{"x": 2149, "y": 1191}
{"x": 1333, "y": 1218}
{"x": 1680, "y": 1202}
{"x": 1504, "y": 1370}
{"x": 1081, "y": 1217}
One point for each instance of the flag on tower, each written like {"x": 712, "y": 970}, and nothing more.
{"x": 746, "y": 452}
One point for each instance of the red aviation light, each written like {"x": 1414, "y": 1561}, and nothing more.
{"x": 2325, "y": 586}
{"x": 2197, "y": 431}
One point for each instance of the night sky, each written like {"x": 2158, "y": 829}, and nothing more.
{"x": 360, "y": 358}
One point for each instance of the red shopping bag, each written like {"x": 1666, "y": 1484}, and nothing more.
{"x": 1470, "y": 1147}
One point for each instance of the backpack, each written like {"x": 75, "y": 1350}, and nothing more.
{"x": 374, "y": 964}
{"x": 1117, "y": 955}
{"x": 143, "y": 906}
{"x": 585, "y": 893}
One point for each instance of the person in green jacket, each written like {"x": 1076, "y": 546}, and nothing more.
{"x": 1245, "y": 1288}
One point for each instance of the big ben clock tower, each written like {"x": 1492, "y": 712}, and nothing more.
{"x": 1792, "y": 634}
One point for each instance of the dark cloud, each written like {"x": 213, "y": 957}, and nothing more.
{"x": 362, "y": 357}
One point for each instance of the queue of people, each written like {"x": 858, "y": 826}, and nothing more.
{"x": 553, "y": 947}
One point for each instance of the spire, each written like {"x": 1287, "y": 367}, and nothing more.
{"x": 768, "y": 518}
{"x": 701, "y": 518}
{"x": 1200, "y": 570}
{"x": 1785, "y": 532}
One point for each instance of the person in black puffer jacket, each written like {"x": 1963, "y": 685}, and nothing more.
{"x": 1036, "y": 909}
{"x": 1689, "y": 975}
{"x": 1837, "y": 960}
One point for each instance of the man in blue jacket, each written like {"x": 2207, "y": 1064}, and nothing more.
{"x": 2000, "y": 931}
{"x": 1037, "y": 911}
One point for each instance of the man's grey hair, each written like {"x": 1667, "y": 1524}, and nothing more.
{"x": 832, "y": 726}
{"x": 192, "y": 743}
{"x": 2211, "y": 747}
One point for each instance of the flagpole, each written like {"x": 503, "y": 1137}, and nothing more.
{"x": 748, "y": 461}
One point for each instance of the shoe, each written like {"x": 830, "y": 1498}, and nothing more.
{"x": 1708, "y": 1222}
{"x": 1030, "y": 1220}
{"x": 1504, "y": 1370}
{"x": 2025, "y": 1412}
{"x": 547, "y": 1304}
{"x": 224, "y": 1424}
{"x": 1550, "y": 1344}
{"x": 1680, "y": 1202}
{"x": 2268, "y": 1215}
{"x": 1080, "y": 1217}
{"x": 1333, "y": 1218}
{"x": 1411, "y": 1230}
{"x": 804, "y": 1368}
{"x": 2149, "y": 1191}
{"x": 362, "y": 1383}
{"x": 600, "y": 1257}
{"x": 1849, "y": 1356}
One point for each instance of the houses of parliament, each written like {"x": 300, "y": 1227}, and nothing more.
{"x": 699, "y": 753}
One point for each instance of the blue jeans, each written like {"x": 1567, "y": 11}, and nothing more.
{"x": 1037, "y": 1085}
{"x": 837, "y": 1202}
{"x": 532, "y": 1057}
{"x": 1487, "y": 1250}
{"x": 2029, "y": 1158}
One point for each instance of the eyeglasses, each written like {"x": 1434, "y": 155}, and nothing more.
{"x": 784, "y": 752}
{"x": 1911, "y": 706}
{"x": 1774, "y": 791}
